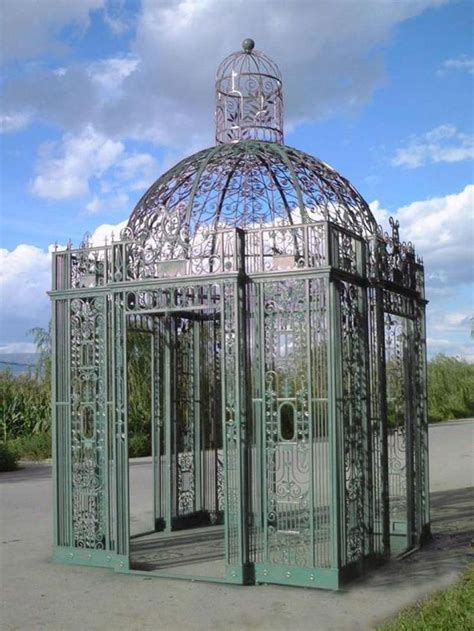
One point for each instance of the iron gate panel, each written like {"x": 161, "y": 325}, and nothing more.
{"x": 199, "y": 475}
{"x": 89, "y": 437}
{"x": 291, "y": 539}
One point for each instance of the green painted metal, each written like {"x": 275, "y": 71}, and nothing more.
{"x": 309, "y": 496}
{"x": 287, "y": 369}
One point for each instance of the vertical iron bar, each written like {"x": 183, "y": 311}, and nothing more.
{"x": 197, "y": 368}
{"x": 334, "y": 423}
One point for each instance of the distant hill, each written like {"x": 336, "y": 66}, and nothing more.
{"x": 18, "y": 363}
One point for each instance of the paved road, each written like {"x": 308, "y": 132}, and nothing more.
{"x": 37, "y": 594}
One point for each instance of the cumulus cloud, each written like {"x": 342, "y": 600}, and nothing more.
{"x": 448, "y": 347}
{"x": 32, "y": 28}
{"x": 119, "y": 16}
{"x": 25, "y": 277}
{"x": 14, "y": 121}
{"x": 162, "y": 91}
{"x": 25, "y": 274}
{"x": 18, "y": 347}
{"x": 112, "y": 202}
{"x": 462, "y": 63}
{"x": 442, "y": 229}
{"x": 442, "y": 144}
{"x": 65, "y": 167}
{"x": 107, "y": 232}
{"x": 109, "y": 74}
{"x": 139, "y": 170}
{"x": 453, "y": 322}
{"x": 381, "y": 214}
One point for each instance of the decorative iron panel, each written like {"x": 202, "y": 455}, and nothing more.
{"x": 421, "y": 481}
{"x": 234, "y": 424}
{"x": 378, "y": 429}
{"x": 353, "y": 405}
{"x": 317, "y": 343}
{"x": 287, "y": 447}
{"x": 400, "y": 422}
{"x": 185, "y": 416}
{"x": 89, "y": 422}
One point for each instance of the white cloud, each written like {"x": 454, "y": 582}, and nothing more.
{"x": 25, "y": 274}
{"x": 109, "y": 74}
{"x": 25, "y": 277}
{"x": 18, "y": 347}
{"x": 106, "y": 232}
{"x": 442, "y": 230}
{"x": 463, "y": 63}
{"x": 113, "y": 202}
{"x": 462, "y": 350}
{"x": 381, "y": 214}
{"x": 162, "y": 91}
{"x": 442, "y": 144}
{"x": 94, "y": 206}
{"x": 139, "y": 170}
{"x": 14, "y": 121}
{"x": 452, "y": 322}
{"x": 118, "y": 16}
{"x": 32, "y": 28}
{"x": 65, "y": 168}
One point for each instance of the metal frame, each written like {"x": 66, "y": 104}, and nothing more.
{"x": 317, "y": 363}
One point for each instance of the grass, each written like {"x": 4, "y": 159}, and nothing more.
{"x": 449, "y": 610}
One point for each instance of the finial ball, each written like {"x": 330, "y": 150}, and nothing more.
{"x": 248, "y": 45}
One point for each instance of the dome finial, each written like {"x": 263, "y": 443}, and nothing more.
{"x": 248, "y": 45}
{"x": 249, "y": 100}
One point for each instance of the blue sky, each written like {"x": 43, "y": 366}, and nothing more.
{"x": 100, "y": 97}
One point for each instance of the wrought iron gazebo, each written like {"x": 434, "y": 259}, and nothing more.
{"x": 288, "y": 412}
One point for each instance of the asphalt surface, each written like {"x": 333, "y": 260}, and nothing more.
{"x": 39, "y": 594}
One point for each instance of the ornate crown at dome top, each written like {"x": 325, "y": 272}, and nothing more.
{"x": 249, "y": 101}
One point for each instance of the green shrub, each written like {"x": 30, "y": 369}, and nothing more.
{"x": 450, "y": 388}
{"x": 34, "y": 447}
{"x": 139, "y": 446}
{"x": 139, "y": 383}
{"x": 8, "y": 458}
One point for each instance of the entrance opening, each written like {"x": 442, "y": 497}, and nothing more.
{"x": 140, "y": 387}
{"x": 185, "y": 505}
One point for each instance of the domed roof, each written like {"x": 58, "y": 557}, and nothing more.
{"x": 250, "y": 178}
{"x": 245, "y": 185}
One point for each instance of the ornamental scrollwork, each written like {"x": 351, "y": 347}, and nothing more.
{"x": 353, "y": 410}
{"x": 88, "y": 418}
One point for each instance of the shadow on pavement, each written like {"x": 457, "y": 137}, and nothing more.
{"x": 452, "y": 525}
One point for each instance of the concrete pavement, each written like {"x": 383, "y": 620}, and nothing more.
{"x": 38, "y": 594}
